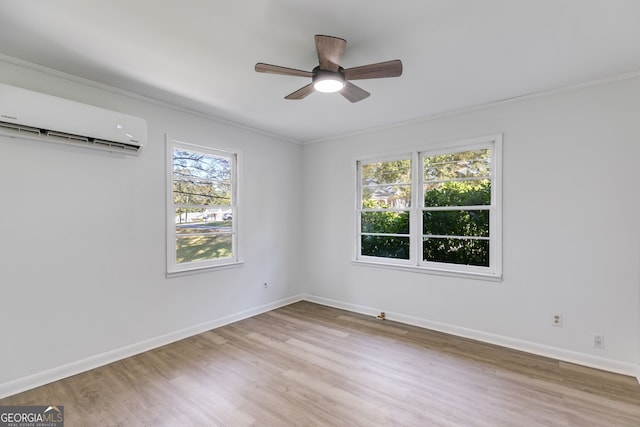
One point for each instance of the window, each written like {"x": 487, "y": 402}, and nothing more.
{"x": 202, "y": 207}
{"x": 435, "y": 210}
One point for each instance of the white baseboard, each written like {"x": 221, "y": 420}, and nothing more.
{"x": 588, "y": 360}
{"x": 73, "y": 368}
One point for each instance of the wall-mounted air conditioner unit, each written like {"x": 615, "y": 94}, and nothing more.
{"x": 37, "y": 116}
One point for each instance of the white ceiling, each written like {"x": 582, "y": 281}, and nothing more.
{"x": 200, "y": 54}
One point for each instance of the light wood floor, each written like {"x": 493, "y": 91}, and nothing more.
{"x": 310, "y": 365}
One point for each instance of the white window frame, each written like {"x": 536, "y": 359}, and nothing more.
{"x": 173, "y": 267}
{"x": 415, "y": 263}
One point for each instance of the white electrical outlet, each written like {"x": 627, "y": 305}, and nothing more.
{"x": 556, "y": 320}
{"x": 598, "y": 341}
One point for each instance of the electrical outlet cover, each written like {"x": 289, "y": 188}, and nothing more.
{"x": 598, "y": 341}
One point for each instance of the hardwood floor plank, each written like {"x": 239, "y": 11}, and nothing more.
{"x": 311, "y": 365}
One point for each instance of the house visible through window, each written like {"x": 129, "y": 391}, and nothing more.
{"x": 433, "y": 210}
{"x": 202, "y": 208}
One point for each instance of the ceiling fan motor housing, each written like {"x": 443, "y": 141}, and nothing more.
{"x": 328, "y": 81}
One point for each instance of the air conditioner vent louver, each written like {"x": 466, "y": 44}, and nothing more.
{"x": 18, "y": 130}
{"x": 115, "y": 145}
{"x": 65, "y": 137}
{"x": 31, "y": 115}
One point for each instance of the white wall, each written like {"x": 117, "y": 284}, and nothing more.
{"x": 82, "y": 253}
{"x": 571, "y": 240}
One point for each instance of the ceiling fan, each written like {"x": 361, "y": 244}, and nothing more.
{"x": 329, "y": 76}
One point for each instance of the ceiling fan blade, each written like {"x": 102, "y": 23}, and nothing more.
{"x": 354, "y": 93}
{"x": 330, "y": 50}
{"x": 301, "y": 93}
{"x": 375, "y": 71}
{"x": 276, "y": 69}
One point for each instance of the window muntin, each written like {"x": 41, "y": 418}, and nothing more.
{"x": 441, "y": 212}
{"x": 203, "y": 209}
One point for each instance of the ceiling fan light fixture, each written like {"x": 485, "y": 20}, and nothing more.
{"x": 328, "y": 81}
{"x": 329, "y": 76}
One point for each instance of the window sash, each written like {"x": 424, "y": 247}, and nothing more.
{"x": 475, "y": 264}
{"x": 371, "y": 237}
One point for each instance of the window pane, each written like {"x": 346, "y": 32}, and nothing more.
{"x": 386, "y": 247}
{"x": 203, "y": 234}
{"x": 460, "y": 165}
{"x": 215, "y": 219}
{"x": 456, "y": 251}
{"x": 456, "y": 223}
{"x": 386, "y": 184}
{"x": 385, "y": 222}
{"x": 201, "y": 179}
{"x": 391, "y": 172}
{"x": 386, "y": 196}
{"x": 201, "y": 247}
{"x": 458, "y": 193}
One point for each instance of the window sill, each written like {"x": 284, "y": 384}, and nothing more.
{"x": 435, "y": 271}
{"x": 207, "y": 269}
